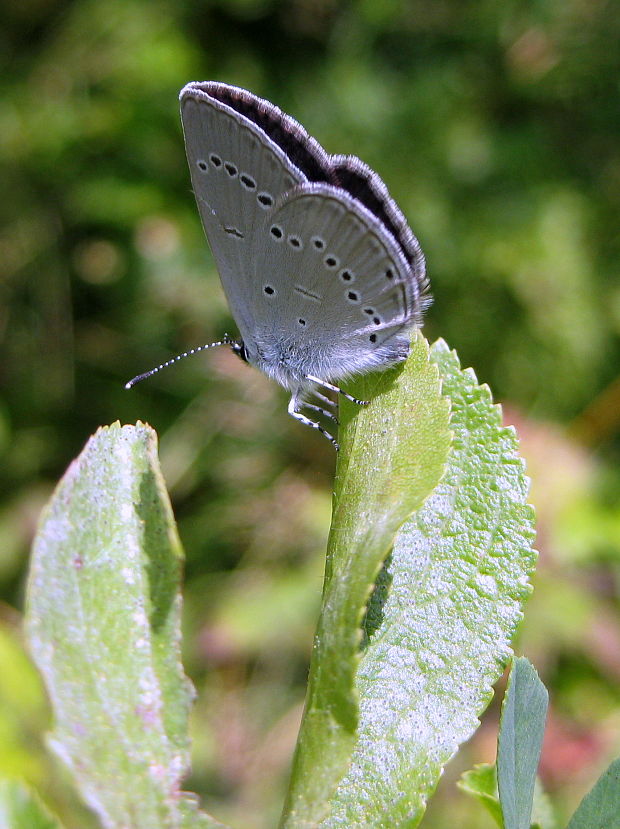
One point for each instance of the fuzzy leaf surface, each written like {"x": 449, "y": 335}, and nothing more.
{"x": 102, "y": 619}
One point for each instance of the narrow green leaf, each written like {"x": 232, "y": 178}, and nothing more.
{"x": 455, "y": 582}
{"x": 102, "y": 619}
{"x": 600, "y": 808}
{"x": 392, "y": 455}
{"x": 481, "y": 783}
{"x": 20, "y": 808}
{"x": 520, "y": 741}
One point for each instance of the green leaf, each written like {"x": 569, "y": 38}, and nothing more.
{"x": 20, "y": 808}
{"x": 527, "y": 695}
{"x": 446, "y": 604}
{"x": 520, "y": 741}
{"x": 600, "y": 808}
{"x": 481, "y": 783}
{"x": 102, "y": 620}
{"x": 543, "y": 814}
{"x": 459, "y": 572}
{"x": 392, "y": 455}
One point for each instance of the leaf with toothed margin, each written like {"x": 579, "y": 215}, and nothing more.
{"x": 102, "y": 621}
{"x": 438, "y": 627}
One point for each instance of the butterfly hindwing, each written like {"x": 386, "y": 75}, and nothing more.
{"x": 330, "y": 276}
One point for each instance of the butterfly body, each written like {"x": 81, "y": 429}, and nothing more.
{"x": 322, "y": 274}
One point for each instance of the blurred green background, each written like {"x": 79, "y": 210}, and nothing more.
{"x": 496, "y": 127}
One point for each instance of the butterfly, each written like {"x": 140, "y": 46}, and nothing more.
{"x": 324, "y": 278}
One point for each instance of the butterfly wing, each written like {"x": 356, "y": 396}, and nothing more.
{"x": 322, "y": 273}
{"x": 333, "y": 285}
{"x": 361, "y": 182}
{"x": 238, "y": 172}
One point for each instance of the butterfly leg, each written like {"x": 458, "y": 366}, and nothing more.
{"x": 293, "y": 410}
{"x": 324, "y": 399}
{"x": 320, "y": 410}
{"x": 331, "y": 387}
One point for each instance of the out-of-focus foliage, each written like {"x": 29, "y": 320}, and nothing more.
{"x": 497, "y": 128}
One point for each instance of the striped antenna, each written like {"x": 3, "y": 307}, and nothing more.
{"x": 226, "y": 341}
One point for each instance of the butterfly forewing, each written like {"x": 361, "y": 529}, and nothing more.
{"x": 237, "y": 174}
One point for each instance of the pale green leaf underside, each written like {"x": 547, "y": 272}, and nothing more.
{"x": 520, "y": 741}
{"x": 457, "y": 577}
{"x": 103, "y": 625}
{"x": 21, "y": 809}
